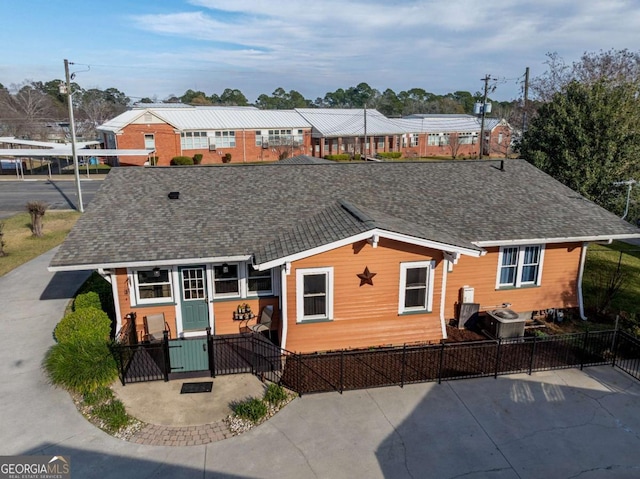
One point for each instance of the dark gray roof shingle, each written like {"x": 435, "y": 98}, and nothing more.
{"x": 272, "y": 210}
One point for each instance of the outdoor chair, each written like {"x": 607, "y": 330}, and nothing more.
{"x": 264, "y": 325}
{"x": 155, "y": 326}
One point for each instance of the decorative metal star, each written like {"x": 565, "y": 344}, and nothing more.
{"x": 366, "y": 277}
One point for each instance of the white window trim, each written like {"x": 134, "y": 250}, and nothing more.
{"x": 241, "y": 288}
{"x": 519, "y": 265}
{"x": 256, "y": 294}
{"x": 300, "y": 274}
{"x": 136, "y": 300}
{"x": 428, "y": 307}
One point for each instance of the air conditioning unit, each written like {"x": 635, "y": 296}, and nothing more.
{"x": 212, "y": 147}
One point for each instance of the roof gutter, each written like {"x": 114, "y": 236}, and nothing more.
{"x": 142, "y": 264}
{"x": 567, "y": 239}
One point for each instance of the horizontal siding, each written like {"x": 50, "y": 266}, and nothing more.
{"x": 558, "y": 287}
{"x": 365, "y": 315}
{"x": 124, "y": 297}
{"x": 223, "y": 312}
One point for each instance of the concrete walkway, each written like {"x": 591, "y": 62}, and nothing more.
{"x": 560, "y": 424}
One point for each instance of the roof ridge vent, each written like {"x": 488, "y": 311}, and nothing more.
{"x": 354, "y": 211}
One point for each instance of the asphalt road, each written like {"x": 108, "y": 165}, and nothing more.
{"x": 59, "y": 194}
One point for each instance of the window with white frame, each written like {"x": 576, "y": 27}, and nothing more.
{"x": 193, "y": 140}
{"x": 416, "y": 287}
{"x": 149, "y": 141}
{"x": 153, "y": 285}
{"x": 465, "y": 138}
{"x": 433, "y": 139}
{"x": 415, "y": 139}
{"x": 258, "y": 138}
{"x": 280, "y": 137}
{"x": 226, "y": 280}
{"x": 258, "y": 282}
{"x": 379, "y": 141}
{"x": 314, "y": 293}
{"x": 519, "y": 266}
{"x": 225, "y": 139}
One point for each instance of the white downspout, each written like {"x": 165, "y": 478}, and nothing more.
{"x": 244, "y": 147}
{"x": 283, "y": 305}
{"x": 583, "y": 257}
{"x": 113, "y": 279}
{"x": 445, "y": 270}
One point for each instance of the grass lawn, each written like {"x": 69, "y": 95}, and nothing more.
{"x": 21, "y": 246}
{"x": 602, "y": 261}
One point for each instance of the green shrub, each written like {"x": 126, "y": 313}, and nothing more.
{"x": 88, "y": 324}
{"x": 252, "y": 409}
{"x": 90, "y": 299}
{"x": 197, "y": 158}
{"x": 113, "y": 415}
{"x": 275, "y": 394}
{"x": 357, "y": 157}
{"x": 98, "y": 284}
{"x": 390, "y": 155}
{"x": 342, "y": 157}
{"x": 226, "y": 158}
{"x": 101, "y": 395}
{"x": 181, "y": 160}
{"x": 81, "y": 366}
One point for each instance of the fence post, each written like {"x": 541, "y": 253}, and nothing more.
{"x": 299, "y": 375}
{"x": 404, "y": 359}
{"x": 121, "y": 361}
{"x": 584, "y": 349}
{"x": 533, "y": 354}
{"x": 614, "y": 343}
{"x": 441, "y": 363}
{"x": 167, "y": 359}
{"x": 211, "y": 357}
{"x": 341, "y": 371}
{"x": 495, "y": 372}
{"x": 253, "y": 354}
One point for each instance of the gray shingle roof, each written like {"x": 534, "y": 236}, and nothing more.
{"x": 275, "y": 210}
{"x": 304, "y": 160}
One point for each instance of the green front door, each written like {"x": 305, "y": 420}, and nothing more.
{"x": 194, "y": 305}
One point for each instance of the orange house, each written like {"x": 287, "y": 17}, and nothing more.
{"x": 349, "y": 255}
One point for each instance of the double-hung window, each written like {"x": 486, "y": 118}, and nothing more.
{"x": 225, "y": 139}
{"x": 258, "y": 282}
{"x": 226, "y": 281}
{"x": 153, "y": 285}
{"x": 194, "y": 140}
{"x": 314, "y": 294}
{"x": 416, "y": 287}
{"x": 415, "y": 138}
{"x": 519, "y": 266}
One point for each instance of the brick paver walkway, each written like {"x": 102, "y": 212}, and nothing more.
{"x": 154, "y": 435}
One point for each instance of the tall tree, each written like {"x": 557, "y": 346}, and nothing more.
{"x": 233, "y": 96}
{"x": 587, "y": 137}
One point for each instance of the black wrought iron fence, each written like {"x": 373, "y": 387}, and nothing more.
{"x": 345, "y": 370}
{"x": 627, "y": 354}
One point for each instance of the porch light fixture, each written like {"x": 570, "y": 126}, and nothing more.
{"x": 156, "y": 272}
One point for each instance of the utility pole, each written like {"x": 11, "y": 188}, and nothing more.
{"x": 72, "y": 127}
{"x": 484, "y": 107}
{"x": 365, "y": 133}
{"x": 526, "y": 97}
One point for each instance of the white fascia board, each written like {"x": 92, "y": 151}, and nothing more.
{"x": 568, "y": 239}
{"x": 142, "y": 264}
{"x": 365, "y": 236}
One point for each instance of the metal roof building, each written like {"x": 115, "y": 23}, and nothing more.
{"x": 341, "y": 122}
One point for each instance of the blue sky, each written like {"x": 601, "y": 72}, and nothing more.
{"x": 162, "y": 47}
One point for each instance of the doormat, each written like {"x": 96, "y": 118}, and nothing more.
{"x": 204, "y": 387}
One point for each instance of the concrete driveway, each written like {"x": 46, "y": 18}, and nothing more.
{"x": 560, "y": 424}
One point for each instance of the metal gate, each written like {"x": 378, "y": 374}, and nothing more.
{"x": 188, "y": 355}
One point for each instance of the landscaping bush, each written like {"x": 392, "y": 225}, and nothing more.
{"x": 275, "y": 394}
{"x": 112, "y": 414}
{"x": 389, "y": 155}
{"x": 88, "y": 324}
{"x": 181, "y": 160}
{"x": 81, "y": 366}
{"x": 90, "y": 299}
{"x": 252, "y": 409}
{"x": 342, "y": 157}
{"x": 98, "y": 284}
{"x": 226, "y": 158}
{"x": 197, "y": 158}
{"x": 357, "y": 157}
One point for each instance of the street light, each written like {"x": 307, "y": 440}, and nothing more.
{"x": 72, "y": 127}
